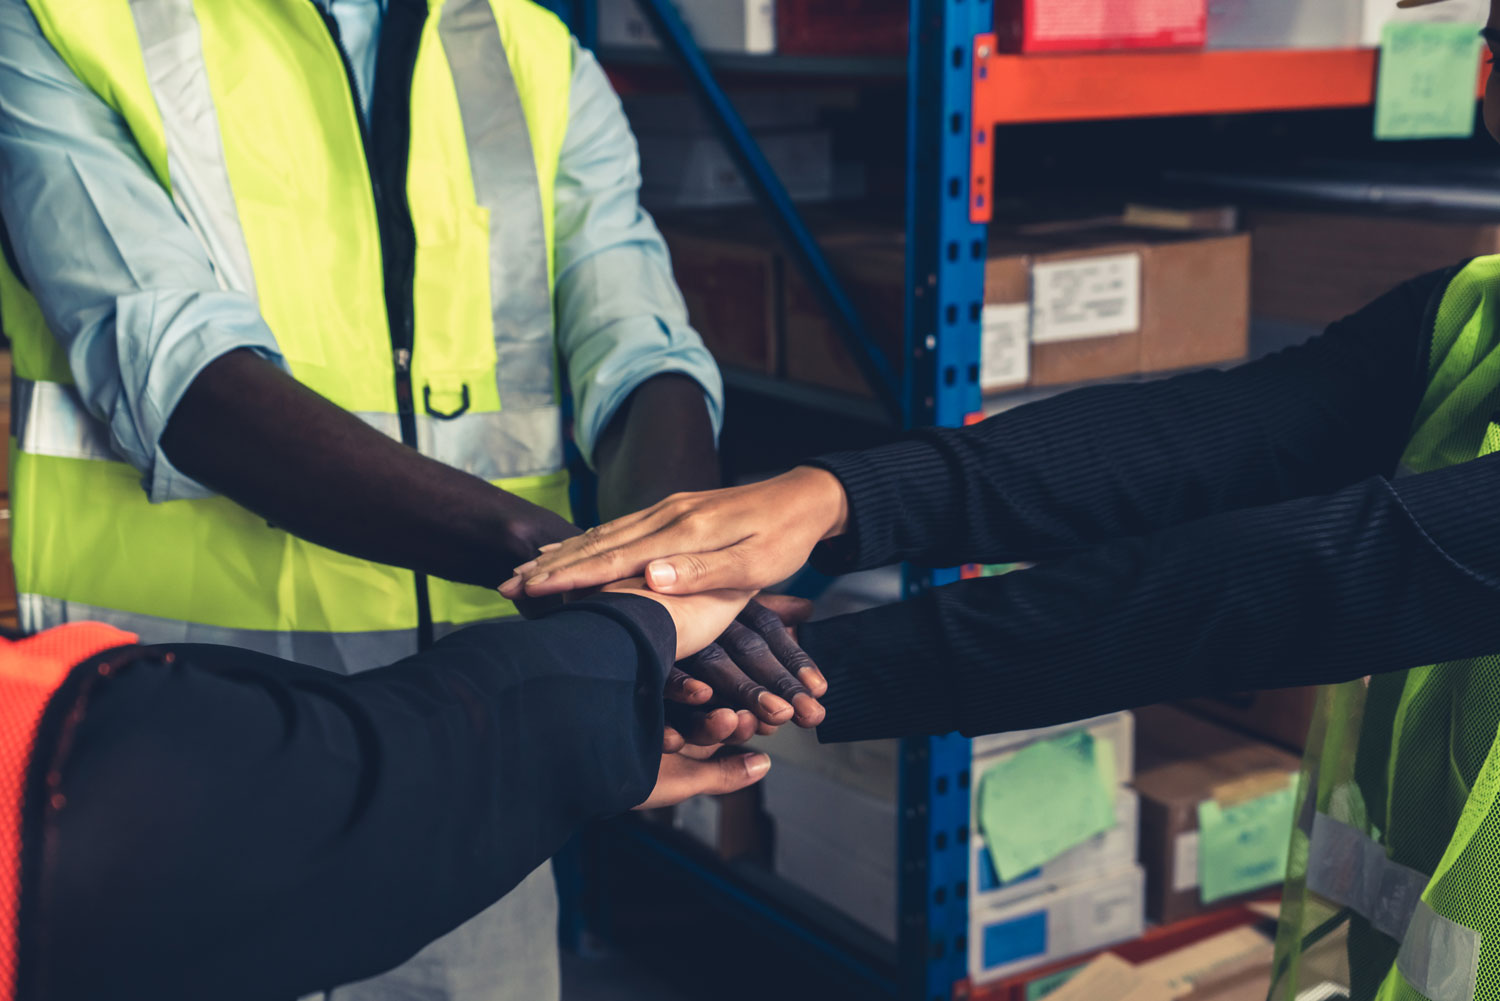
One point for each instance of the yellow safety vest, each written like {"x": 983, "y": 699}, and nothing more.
{"x": 246, "y": 113}
{"x": 1393, "y": 888}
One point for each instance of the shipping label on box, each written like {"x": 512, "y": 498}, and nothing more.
{"x": 1087, "y": 297}
{"x": 1005, "y": 347}
{"x": 1116, "y": 728}
{"x": 1074, "y": 919}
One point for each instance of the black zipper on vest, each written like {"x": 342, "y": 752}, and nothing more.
{"x": 387, "y": 142}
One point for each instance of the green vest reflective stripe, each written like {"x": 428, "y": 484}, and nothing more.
{"x": 245, "y": 114}
{"x": 1393, "y": 885}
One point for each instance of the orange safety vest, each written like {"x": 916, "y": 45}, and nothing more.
{"x": 31, "y": 671}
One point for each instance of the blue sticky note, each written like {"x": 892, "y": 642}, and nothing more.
{"x": 1429, "y": 75}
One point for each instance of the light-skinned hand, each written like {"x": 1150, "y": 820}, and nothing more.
{"x": 704, "y": 771}
{"x": 741, "y": 538}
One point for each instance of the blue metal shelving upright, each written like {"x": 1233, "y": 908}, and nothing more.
{"x": 936, "y": 383}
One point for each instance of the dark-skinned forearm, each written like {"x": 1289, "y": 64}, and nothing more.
{"x": 660, "y": 442}
{"x": 246, "y": 429}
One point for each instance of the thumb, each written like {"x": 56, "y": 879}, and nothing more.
{"x": 731, "y": 772}
{"x": 696, "y": 572}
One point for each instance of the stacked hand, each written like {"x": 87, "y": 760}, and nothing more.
{"x": 704, "y": 557}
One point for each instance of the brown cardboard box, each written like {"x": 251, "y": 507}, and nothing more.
{"x": 874, "y": 275}
{"x": 1317, "y": 267}
{"x": 1281, "y": 716}
{"x": 1191, "y": 305}
{"x": 1182, "y": 760}
{"x": 732, "y": 287}
{"x": 731, "y": 826}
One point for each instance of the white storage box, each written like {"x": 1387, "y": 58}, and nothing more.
{"x": 1111, "y": 851}
{"x": 1116, "y": 728}
{"x": 746, "y": 26}
{"x": 1284, "y": 24}
{"x": 1073, "y": 919}
{"x": 855, "y": 887}
{"x": 1378, "y": 12}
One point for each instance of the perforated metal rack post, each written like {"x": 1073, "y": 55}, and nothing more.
{"x": 945, "y": 297}
{"x": 939, "y": 385}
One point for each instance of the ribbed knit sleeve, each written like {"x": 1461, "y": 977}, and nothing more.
{"x": 1111, "y": 462}
{"x": 1378, "y": 576}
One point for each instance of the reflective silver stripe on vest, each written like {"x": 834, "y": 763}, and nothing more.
{"x": 48, "y": 418}
{"x": 503, "y": 168}
{"x": 345, "y": 653}
{"x": 173, "y": 50}
{"x": 498, "y": 445}
{"x": 1349, "y": 868}
{"x": 1439, "y": 957}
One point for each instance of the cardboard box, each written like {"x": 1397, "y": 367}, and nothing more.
{"x": 730, "y": 826}
{"x": 873, "y": 275}
{"x": 835, "y": 842}
{"x": 1113, "y": 301}
{"x": 1102, "y": 854}
{"x": 696, "y": 171}
{"x": 1095, "y": 25}
{"x": 1118, "y": 729}
{"x": 1377, "y": 13}
{"x": 743, "y": 26}
{"x": 842, "y": 27}
{"x": 1318, "y": 267}
{"x": 1181, "y": 762}
{"x": 866, "y": 766}
{"x": 1285, "y": 24}
{"x": 1281, "y": 716}
{"x": 1074, "y": 919}
{"x": 733, "y": 293}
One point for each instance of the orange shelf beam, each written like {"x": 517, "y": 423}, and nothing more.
{"x": 1012, "y": 89}
{"x": 1016, "y": 89}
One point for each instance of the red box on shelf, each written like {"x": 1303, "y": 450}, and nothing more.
{"x": 1098, "y": 25}
{"x": 842, "y": 27}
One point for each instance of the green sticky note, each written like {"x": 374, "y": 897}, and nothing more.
{"x": 1244, "y": 847}
{"x": 1044, "y": 799}
{"x": 1429, "y": 75}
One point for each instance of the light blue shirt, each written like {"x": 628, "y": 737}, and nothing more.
{"x": 129, "y": 291}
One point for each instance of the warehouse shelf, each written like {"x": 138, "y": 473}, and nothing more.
{"x": 960, "y": 91}
{"x": 805, "y": 395}
{"x": 732, "y": 64}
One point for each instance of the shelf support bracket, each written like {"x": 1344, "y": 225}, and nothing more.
{"x": 982, "y": 135}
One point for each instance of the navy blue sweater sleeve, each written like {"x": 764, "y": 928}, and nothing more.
{"x": 1212, "y": 533}
{"x": 1109, "y": 462}
{"x": 233, "y": 826}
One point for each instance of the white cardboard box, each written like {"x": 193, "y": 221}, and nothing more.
{"x": 1073, "y": 919}
{"x": 1111, "y": 851}
{"x": 1284, "y": 24}
{"x": 697, "y": 172}
{"x": 1378, "y": 12}
{"x": 815, "y": 806}
{"x": 1116, "y": 728}
{"x": 863, "y": 892}
{"x": 747, "y": 26}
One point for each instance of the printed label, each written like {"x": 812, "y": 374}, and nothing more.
{"x": 1092, "y": 297}
{"x": 1005, "y": 349}
{"x": 1185, "y": 862}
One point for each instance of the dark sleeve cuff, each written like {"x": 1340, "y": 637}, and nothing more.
{"x": 883, "y": 677}
{"x": 885, "y": 486}
{"x": 647, "y": 621}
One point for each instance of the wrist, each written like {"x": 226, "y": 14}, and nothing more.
{"x": 829, "y": 502}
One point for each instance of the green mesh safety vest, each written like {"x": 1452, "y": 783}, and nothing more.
{"x": 246, "y": 114}
{"x": 1393, "y": 885}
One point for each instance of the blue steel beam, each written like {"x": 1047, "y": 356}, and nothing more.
{"x": 944, "y": 307}
{"x": 876, "y": 368}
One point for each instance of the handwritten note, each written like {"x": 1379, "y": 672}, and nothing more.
{"x": 1428, "y": 79}
{"x": 1046, "y": 798}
